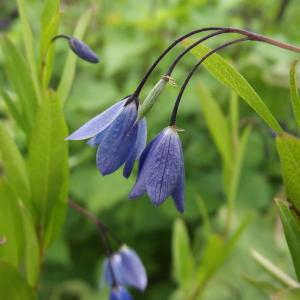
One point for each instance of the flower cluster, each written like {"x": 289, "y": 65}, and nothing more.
{"x": 121, "y": 140}
{"x": 124, "y": 269}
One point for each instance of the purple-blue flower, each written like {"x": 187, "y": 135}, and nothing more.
{"x": 119, "y": 293}
{"x": 120, "y": 139}
{"x": 161, "y": 170}
{"x": 125, "y": 268}
{"x": 83, "y": 50}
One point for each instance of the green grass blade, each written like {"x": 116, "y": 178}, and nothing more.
{"x": 231, "y": 78}
{"x": 70, "y": 64}
{"x": 183, "y": 260}
{"x": 294, "y": 93}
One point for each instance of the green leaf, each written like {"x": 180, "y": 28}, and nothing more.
{"x": 288, "y": 148}
{"x": 294, "y": 93}
{"x": 50, "y": 23}
{"x": 48, "y": 163}
{"x": 183, "y": 260}
{"x": 231, "y": 78}
{"x": 291, "y": 225}
{"x": 14, "y": 166}
{"x": 31, "y": 251}
{"x": 10, "y": 227}
{"x": 17, "y": 74}
{"x": 13, "y": 110}
{"x": 12, "y": 284}
{"x": 217, "y": 124}
{"x": 70, "y": 64}
{"x": 287, "y": 294}
{"x": 28, "y": 42}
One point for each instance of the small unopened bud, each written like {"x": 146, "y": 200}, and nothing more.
{"x": 152, "y": 97}
{"x": 81, "y": 49}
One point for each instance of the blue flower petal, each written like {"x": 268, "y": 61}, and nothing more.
{"x": 97, "y": 139}
{"x": 119, "y": 139}
{"x": 133, "y": 271}
{"x": 138, "y": 147}
{"x": 178, "y": 193}
{"x": 140, "y": 185}
{"x": 112, "y": 269}
{"x": 83, "y": 50}
{"x": 119, "y": 293}
{"x": 165, "y": 161}
{"x": 98, "y": 123}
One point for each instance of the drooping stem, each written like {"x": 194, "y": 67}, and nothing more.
{"x": 101, "y": 227}
{"x": 165, "y": 52}
{"x": 61, "y": 36}
{"x": 183, "y": 53}
{"x": 250, "y": 36}
{"x": 183, "y": 87}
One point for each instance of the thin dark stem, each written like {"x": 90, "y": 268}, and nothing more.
{"x": 61, "y": 36}
{"x": 250, "y": 36}
{"x": 165, "y": 52}
{"x": 103, "y": 229}
{"x": 177, "y": 102}
{"x": 180, "y": 56}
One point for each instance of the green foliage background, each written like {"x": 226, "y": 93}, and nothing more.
{"x": 128, "y": 36}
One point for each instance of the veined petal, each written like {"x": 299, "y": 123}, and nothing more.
{"x": 133, "y": 270}
{"x": 178, "y": 193}
{"x": 98, "y": 123}
{"x": 165, "y": 161}
{"x": 119, "y": 139}
{"x": 119, "y": 293}
{"x": 97, "y": 139}
{"x": 138, "y": 147}
{"x": 140, "y": 185}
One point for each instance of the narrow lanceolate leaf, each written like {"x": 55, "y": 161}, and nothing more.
{"x": 291, "y": 225}
{"x": 288, "y": 148}
{"x": 183, "y": 260}
{"x": 10, "y": 227}
{"x": 70, "y": 64}
{"x": 294, "y": 93}
{"x": 216, "y": 123}
{"x": 14, "y": 166}
{"x": 29, "y": 48}
{"x": 48, "y": 161}
{"x": 49, "y": 23}
{"x": 13, "y": 109}
{"x": 231, "y": 78}
{"x": 17, "y": 71}
{"x": 13, "y": 286}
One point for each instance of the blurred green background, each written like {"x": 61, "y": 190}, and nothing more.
{"x": 128, "y": 36}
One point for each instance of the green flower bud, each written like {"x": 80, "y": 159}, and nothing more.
{"x": 152, "y": 97}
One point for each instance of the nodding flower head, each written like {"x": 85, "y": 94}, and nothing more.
{"x": 125, "y": 268}
{"x": 83, "y": 50}
{"x": 120, "y": 139}
{"x": 119, "y": 293}
{"x": 161, "y": 170}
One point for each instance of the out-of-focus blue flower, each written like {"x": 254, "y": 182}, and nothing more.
{"x": 161, "y": 170}
{"x": 120, "y": 139}
{"x": 119, "y": 293}
{"x": 83, "y": 50}
{"x": 125, "y": 268}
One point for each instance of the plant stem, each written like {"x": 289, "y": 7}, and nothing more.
{"x": 177, "y": 102}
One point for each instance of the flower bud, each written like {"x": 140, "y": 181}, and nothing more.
{"x": 83, "y": 51}
{"x": 152, "y": 97}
